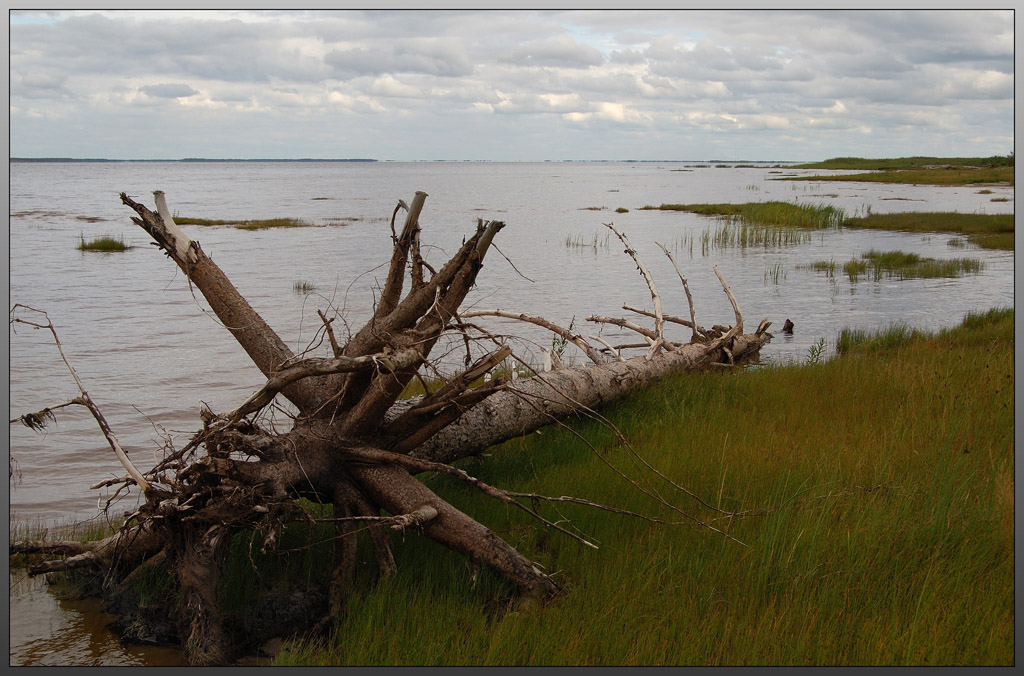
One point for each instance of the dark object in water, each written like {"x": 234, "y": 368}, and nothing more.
{"x": 788, "y": 327}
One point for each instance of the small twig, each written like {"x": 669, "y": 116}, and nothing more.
{"x": 335, "y": 348}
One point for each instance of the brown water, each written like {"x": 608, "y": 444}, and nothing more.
{"x": 46, "y": 631}
{"x": 150, "y": 353}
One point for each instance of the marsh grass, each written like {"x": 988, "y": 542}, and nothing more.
{"x": 774, "y": 272}
{"x": 919, "y": 170}
{"x": 303, "y": 287}
{"x": 105, "y": 243}
{"x": 916, "y": 162}
{"x": 596, "y": 242}
{"x": 942, "y": 176}
{"x": 880, "y": 530}
{"x": 903, "y": 265}
{"x": 779, "y": 214}
{"x": 876, "y": 493}
{"x": 989, "y": 231}
{"x": 248, "y": 224}
{"x": 757, "y": 224}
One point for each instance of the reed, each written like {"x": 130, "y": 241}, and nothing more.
{"x": 595, "y": 242}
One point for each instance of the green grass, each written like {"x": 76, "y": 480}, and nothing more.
{"x": 918, "y": 170}
{"x": 909, "y": 162}
{"x": 878, "y": 488}
{"x": 923, "y": 176}
{"x": 885, "y": 480}
{"x": 104, "y": 243}
{"x": 778, "y": 214}
{"x": 249, "y": 224}
{"x": 989, "y": 231}
{"x": 899, "y": 265}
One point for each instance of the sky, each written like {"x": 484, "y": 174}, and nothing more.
{"x": 511, "y": 85}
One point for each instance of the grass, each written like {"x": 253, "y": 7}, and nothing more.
{"x": 918, "y": 162}
{"x": 252, "y": 224}
{"x": 779, "y": 214}
{"x": 105, "y": 243}
{"x": 989, "y": 231}
{"x": 303, "y": 286}
{"x": 898, "y": 265}
{"x": 918, "y": 170}
{"x": 595, "y": 242}
{"x": 880, "y": 485}
{"x": 774, "y": 272}
{"x": 757, "y": 224}
{"x": 878, "y": 496}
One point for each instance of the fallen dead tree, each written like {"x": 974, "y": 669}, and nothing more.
{"x": 354, "y": 444}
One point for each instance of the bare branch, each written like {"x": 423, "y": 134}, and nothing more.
{"x": 686, "y": 288}
{"x": 574, "y": 338}
{"x": 659, "y": 323}
{"x": 86, "y": 401}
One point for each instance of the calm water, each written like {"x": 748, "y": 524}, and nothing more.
{"x": 150, "y": 354}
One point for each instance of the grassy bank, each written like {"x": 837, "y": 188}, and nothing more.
{"x": 919, "y": 170}
{"x": 873, "y": 494}
{"x": 989, "y": 231}
{"x": 881, "y": 486}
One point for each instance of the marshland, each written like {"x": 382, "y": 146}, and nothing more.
{"x": 863, "y": 528}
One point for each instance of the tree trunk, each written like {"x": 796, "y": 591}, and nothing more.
{"x": 353, "y": 443}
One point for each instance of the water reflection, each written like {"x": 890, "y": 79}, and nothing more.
{"x": 46, "y": 631}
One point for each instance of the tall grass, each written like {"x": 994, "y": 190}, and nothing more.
{"x": 872, "y": 493}
{"x": 877, "y": 488}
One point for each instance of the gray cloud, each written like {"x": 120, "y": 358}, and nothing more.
{"x": 168, "y": 91}
{"x": 562, "y": 51}
{"x": 541, "y": 80}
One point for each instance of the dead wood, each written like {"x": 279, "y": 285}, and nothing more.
{"x": 354, "y": 444}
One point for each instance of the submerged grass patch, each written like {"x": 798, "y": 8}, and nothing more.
{"x": 779, "y": 214}
{"x": 104, "y": 243}
{"x": 989, "y": 231}
{"x": 878, "y": 526}
{"x": 595, "y": 242}
{"x": 248, "y": 224}
{"x": 898, "y": 265}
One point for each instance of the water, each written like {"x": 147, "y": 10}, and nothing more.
{"x": 150, "y": 353}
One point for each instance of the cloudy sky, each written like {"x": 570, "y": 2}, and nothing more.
{"x": 511, "y": 85}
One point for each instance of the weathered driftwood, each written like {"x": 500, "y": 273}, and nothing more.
{"x": 354, "y": 444}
